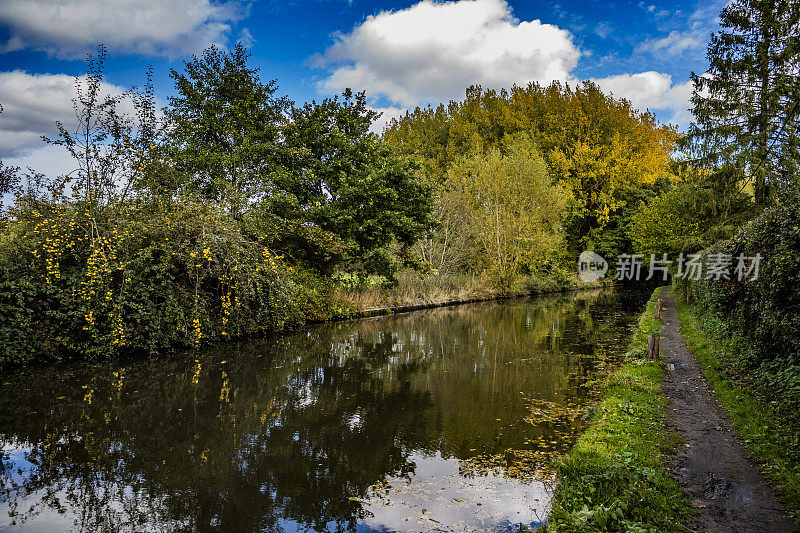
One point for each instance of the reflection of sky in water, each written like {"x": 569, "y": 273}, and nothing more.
{"x": 392, "y": 424}
{"x": 47, "y": 518}
{"x": 439, "y": 498}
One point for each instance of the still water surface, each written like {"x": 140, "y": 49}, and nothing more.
{"x": 440, "y": 420}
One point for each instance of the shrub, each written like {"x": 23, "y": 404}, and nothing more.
{"x": 79, "y": 279}
{"x": 763, "y": 312}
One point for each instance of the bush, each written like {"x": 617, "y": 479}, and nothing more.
{"x": 80, "y": 279}
{"x": 763, "y": 312}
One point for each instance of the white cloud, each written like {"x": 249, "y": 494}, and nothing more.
{"x": 603, "y": 30}
{"x": 654, "y": 91}
{"x": 675, "y": 44}
{"x": 158, "y": 27}
{"x": 31, "y": 105}
{"x": 432, "y": 51}
{"x": 48, "y": 159}
{"x": 387, "y": 114}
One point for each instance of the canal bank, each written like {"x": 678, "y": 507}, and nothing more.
{"x": 533, "y": 289}
{"x": 615, "y": 477}
{"x": 674, "y": 443}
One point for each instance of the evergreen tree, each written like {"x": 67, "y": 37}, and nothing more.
{"x": 746, "y": 106}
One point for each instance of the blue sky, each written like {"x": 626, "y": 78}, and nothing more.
{"x": 403, "y": 53}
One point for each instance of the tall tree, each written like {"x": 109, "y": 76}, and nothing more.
{"x": 224, "y": 127}
{"x": 513, "y": 210}
{"x": 345, "y": 195}
{"x": 746, "y": 105}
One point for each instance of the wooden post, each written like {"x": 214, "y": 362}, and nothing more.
{"x": 657, "y": 310}
{"x": 653, "y": 346}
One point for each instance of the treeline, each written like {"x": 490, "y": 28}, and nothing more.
{"x": 596, "y": 160}
{"x": 224, "y": 216}
{"x": 235, "y": 212}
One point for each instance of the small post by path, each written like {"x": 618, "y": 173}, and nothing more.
{"x": 653, "y": 346}
{"x": 657, "y": 310}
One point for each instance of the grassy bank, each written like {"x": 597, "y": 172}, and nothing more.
{"x": 772, "y": 437}
{"x": 414, "y": 288}
{"x": 614, "y": 478}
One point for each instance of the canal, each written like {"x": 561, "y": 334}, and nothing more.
{"x": 440, "y": 420}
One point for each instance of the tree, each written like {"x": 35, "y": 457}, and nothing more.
{"x": 110, "y": 148}
{"x": 343, "y": 196}
{"x": 746, "y": 105}
{"x": 224, "y": 128}
{"x": 599, "y": 147}
{"x": 513, "y": 210}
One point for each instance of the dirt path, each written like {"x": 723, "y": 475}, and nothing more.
{"x": 726, "y": 488}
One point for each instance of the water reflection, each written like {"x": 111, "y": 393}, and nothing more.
{"x": 440, "y": 419}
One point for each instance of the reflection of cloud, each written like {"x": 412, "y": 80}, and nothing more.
{"x": 485, "y": 501}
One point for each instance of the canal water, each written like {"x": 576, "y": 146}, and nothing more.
{"x": 440, "y": 420}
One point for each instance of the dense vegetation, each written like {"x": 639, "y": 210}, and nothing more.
{"x": 223, "y": 219}
{"x": 603, "y": 156}
{"x": 761, "y": 312}
{"x": 236, "y": 212}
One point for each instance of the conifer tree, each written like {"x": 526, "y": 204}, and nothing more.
{"x": 746, "y": 105}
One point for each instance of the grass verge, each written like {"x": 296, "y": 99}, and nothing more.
{"x": 772, "y": 441}
{"x": 614, "y": 479}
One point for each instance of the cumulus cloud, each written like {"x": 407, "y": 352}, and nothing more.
{"x": 432, "y": 51}
{"x": 654, "y": 91}
{"x": 674, "y": 44}
{"x": 155, "y": 27}
{"x": 387, "y": 114}
{"x": 31, "y": 105}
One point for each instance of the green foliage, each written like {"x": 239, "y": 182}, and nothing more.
{"x": 150, "y": 278}
{"x": 689, "y": 216}
{"x": 763, "y": 311}
{"x": 612, "y": 480}
{"x": 770, "y": 428}
{"x": 597, "y": 147}
{"x": 671, "y": 223}
{"x": 351, "y": 188}
{"x": 223, "y": 129}
{"x": 745, "y": 106}
{"x": 512, "y": 209}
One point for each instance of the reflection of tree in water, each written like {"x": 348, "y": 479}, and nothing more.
{"x": 297, "y": 428}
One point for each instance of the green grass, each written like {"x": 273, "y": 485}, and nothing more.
{"x": 772, "y": 440}
{"x": 614, "y": 478}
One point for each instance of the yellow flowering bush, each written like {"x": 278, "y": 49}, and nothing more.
{"x": 79, "y": 279}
